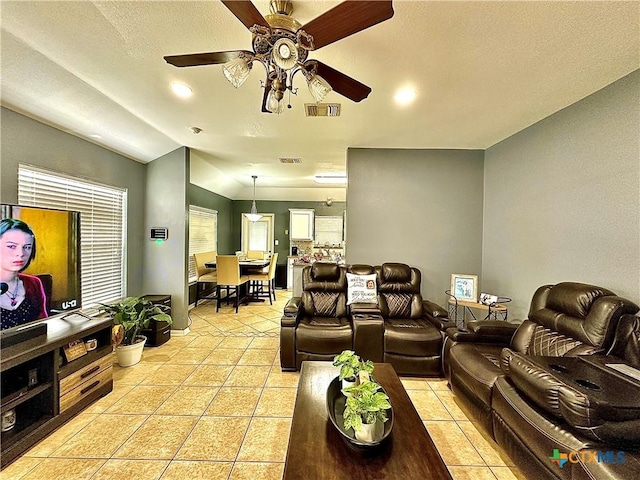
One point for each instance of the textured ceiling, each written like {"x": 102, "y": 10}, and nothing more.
{"x": 482, "y": 71}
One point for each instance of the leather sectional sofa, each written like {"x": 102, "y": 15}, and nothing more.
{"x": 542, "y": 389}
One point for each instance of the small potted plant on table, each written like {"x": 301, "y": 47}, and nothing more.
{"x": 366, "y": 410}
{"x": 129, "y": 317}
{"x": 352, "y": 368}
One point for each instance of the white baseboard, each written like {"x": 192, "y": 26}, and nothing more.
{"x": 180, "y": 333}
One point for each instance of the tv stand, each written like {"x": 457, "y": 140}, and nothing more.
{"x": 19, "y": 335}
{"x": 43, "y": 388}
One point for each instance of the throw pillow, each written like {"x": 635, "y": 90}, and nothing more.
{"x": 361, "y": 288}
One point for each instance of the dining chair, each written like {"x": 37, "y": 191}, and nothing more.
{"x": 228, "y": 267}
{"x": 255, "y": 255}
{"x": 259, "y": 279}
{"x": 205, "y": 275}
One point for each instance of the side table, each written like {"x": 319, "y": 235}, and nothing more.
{"x": 458, "y": 309}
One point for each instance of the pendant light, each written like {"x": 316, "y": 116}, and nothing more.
{"x": 254, "y": 216}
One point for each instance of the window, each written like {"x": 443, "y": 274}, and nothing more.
{"x": 203, "y": 234}
{"x": 328, "y": 230}
{"x": 102, "y": 226}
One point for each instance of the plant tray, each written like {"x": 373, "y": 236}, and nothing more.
{"x": 335, "y": 407}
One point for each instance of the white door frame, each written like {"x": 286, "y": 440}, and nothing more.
{"x": 269, "y": 219}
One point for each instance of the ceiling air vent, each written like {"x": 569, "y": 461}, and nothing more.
{"x": 290, "y": 160}
{"x": 322, "y": 109}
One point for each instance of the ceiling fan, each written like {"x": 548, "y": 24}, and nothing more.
{"x": 282, "y": 45}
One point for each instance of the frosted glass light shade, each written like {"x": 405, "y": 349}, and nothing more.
{"x": 254, "y": 216}
{"x": 318, "y": 87}
{"x": 236, "y": 71}
{"x": 285, "y": 54}
{"x": 273, "y": 104}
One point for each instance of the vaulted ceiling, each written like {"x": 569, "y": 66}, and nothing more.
{"x": 481, "y": 71}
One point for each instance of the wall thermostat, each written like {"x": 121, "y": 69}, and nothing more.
{"x": 159, "y": 233}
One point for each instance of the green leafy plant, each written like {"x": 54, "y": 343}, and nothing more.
{"x": 134, "y": 314}
{"x": 351, "y": 365}
{"x": 365, "y": 404}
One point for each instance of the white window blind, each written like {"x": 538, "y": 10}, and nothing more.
{"x": 102, "y": 226}
{"x": 258, "y": 236}
{"x": 203, "y": 234}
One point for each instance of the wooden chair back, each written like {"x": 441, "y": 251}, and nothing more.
{"x": 255, "y": 255}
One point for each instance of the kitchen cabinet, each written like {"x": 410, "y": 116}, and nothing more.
{"x": 290, "y": 261}
{"x": 301, "y": 223}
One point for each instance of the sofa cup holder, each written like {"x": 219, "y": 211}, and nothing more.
{"x": 587, "y": 384}
{"x": 558, "y": 368}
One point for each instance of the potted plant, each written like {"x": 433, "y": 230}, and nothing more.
{"x": 130, "y": 316}
{"x": 351, "y": 367}
{"x": 366, "y": 410}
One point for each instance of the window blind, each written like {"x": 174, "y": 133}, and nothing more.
{"x": 203, "y": 234}
{"x": 258, "y": 236}
{"x": 102, "y": 226}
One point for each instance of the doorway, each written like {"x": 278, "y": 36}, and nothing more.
{"x": 258, "y": 235}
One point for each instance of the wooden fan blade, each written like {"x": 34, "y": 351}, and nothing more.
{"x": 208, "y": 58}
{"x": 343, "y": 84}
{"x": 246, "y": 12}
{"x": 346, "y": 19}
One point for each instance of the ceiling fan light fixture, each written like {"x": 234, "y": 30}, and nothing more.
{"x": 237, "y": 71}
{"x": 275, "y": 104}
{"x": 318, "y": 87}
{"x": 285, "y": 54}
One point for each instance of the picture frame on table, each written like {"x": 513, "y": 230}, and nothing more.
{"x": 464, "y": 287}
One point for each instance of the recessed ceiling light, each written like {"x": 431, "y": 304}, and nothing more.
{"x": 405, "y": 96}
{"x": 181, "y": 90}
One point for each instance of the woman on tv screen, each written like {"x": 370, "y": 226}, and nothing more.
{"x": 23, "y": 298}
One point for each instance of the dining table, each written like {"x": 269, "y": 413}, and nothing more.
{"x": 246, "y": 266}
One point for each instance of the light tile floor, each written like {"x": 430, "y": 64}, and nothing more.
{"x": 215, "y": 405}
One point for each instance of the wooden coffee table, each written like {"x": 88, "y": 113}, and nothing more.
{"x": 317, "y": 451}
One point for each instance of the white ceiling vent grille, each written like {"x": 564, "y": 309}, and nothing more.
{"x": 290, "y": 160}
{"x": 322, "y": 109}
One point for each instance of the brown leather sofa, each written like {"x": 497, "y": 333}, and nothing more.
{"x": 575, "y": 405}
{"x": 412, "y": 344}
{"x": 402, "y": 329}
{"x": 316, "y": 326}
{"x": 503, "y": 388}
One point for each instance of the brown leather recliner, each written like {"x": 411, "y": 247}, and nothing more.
{"x": 544, "y": 403}
{"x": 412, "y": 344}
{"x": 316, "y": 325}
{"x": 564, "y": 319}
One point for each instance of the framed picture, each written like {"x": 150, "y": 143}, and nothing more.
{"x": 74, "y": 350}
{"x": 464, "y": 287}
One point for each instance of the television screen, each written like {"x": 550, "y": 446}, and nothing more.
{"x": 40, "y": 264}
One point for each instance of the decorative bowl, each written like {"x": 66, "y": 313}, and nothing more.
{"x": 335, "y": 407}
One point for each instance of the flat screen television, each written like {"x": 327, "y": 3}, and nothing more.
{"x": 39, "y": 270}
